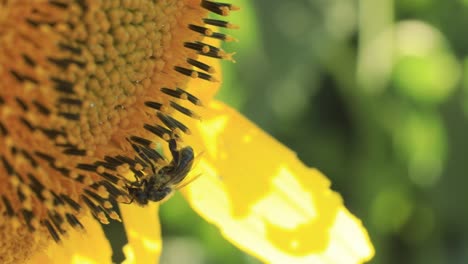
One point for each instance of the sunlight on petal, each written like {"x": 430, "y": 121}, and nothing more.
{"x": 265, "y": 200}
{"x": 143, "y": 233}
{"x": 78, "y": 247}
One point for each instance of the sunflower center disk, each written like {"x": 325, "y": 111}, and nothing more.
{"x": 87, "y": 89}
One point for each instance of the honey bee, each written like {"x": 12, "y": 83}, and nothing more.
{"x": 160, "y": 183}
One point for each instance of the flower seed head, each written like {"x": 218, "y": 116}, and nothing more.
{"x": 82, "y": 83}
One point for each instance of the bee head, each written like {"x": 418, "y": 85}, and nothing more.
{"x": 158, "y": 194}
{"x": 139, "y": 196}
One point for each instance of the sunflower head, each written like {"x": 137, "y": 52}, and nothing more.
{"x": 87, "y": 93}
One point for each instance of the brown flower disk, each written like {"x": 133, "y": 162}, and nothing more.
{"x": 80, "y": 81}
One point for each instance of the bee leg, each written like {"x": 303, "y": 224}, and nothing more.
{"x": 136, "y": 184}
{"x": 142, "y": 154}
{"x": 174, "y": 151}
{"x": 131, "y": 190}
{"x": 131, "y": 201}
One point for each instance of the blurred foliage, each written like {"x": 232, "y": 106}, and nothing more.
{"x": 375, "y": 95}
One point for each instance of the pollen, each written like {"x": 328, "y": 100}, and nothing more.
{"x": 87, "y": 91}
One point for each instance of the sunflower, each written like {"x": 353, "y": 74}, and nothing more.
{"x": 100, "y": 106}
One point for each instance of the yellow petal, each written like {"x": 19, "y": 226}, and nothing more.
{"x": 78, "y": 247}
{"x": 143, "y": 233}
{"x": 265, "y": 200}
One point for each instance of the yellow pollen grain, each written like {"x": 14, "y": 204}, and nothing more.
{"x": 104, "y": 194}
{"x": 213, "y": 79}
{"x": 102, "y": 191}
{"x": 74, "y": 174}
{"x": 35, "y": 223}
{"x": 15, "y": 181}
{"x": 88, "y": 181}
{"x": 123, "y": 169}
{"x": 25, "y": 189}
{"x": 121, "y": 184}
{"x": 208, "y": 32}
{"x": 60, "y": 209}
{"x": 231, "y": 39}
{"x": 89, "y": 152}
{"x": 46, "y": 194}
{"x": 138, "y": 167}
{"x": 211, "y": 70}
{"x": 115, "y": 216}
{"x": 184, "y": 96}
{"x": 205, "y": 49}
{"x": 227, "y": 56}
{"x": 225, "y": 10}
{"x": 234, "y": 8}
{"x": 27, "y": 205}
{"x": 164, "y": 108}
{"x": 107, "y": 205}
{"x": 15, "y": 223}
{"x": 122, "y": 199}
{"x": 102, "y": 218}
{"x": 196, "y": 116}
{"x": 232, "y": 26}
{"x": 48, "y": 204}
{"x": 100, "y": 169}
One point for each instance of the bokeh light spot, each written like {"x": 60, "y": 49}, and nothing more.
{"x": 421, "y": 140}
{"x": 426, "y": 69}
{"x": 390, "y": 210}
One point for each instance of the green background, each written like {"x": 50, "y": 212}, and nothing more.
{"x": 372, "y": 93}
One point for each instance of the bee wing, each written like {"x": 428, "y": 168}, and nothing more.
{"x": 187, "y": 182}
{"x": 192, "y": 175}
{"x": 197, "y": 158}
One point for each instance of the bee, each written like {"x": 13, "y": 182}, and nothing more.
{"x": 160, "y": 183}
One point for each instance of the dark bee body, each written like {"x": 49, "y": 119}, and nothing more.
{"x": 159, "y": 184}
